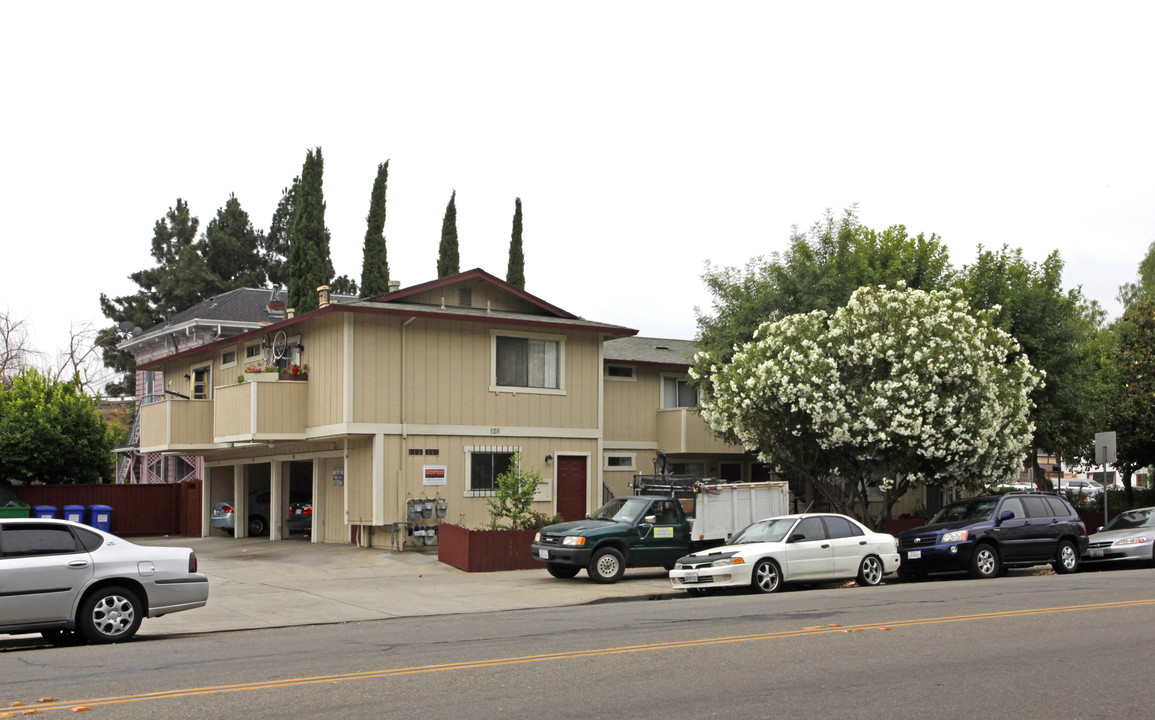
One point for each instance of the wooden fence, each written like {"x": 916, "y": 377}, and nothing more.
{"x": 169, "y": 509}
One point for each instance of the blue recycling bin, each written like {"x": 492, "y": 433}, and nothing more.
{"x": 44, "y": 512}
{"x": 100, "y": 517}
{"x": 74, "y": 513}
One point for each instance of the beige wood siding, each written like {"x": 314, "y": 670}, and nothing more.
{"x": 684, "y": 431}
{"x": 631, "y": 407}
{"x": 176, "y": 424}
{"x": 324, "y": 341}
{"x": 444, "y": 378}
{"x": 281, "y": 407}
{"x": 233, "y": 415}
{"x": 481, "y": 292}
{"x": 359, "y": 481}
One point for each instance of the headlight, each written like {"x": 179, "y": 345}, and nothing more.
{"x": 956, "y": 536}
{"x": 537, "y": 537}
{"x": 727, "y": 561}
{"x": 573, "y": 540}
{"x": 1132, "y": 540}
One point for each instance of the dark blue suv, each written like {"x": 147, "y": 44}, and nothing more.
{"x": 983, "y": 535}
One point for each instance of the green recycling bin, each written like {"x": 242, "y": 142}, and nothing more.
{"x": 15, "y": 509}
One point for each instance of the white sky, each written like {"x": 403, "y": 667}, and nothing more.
{"x": 644, "y": 138}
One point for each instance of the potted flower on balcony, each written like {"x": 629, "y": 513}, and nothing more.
{"x": 262, "y": 373}
{"x": 295, "y": 372}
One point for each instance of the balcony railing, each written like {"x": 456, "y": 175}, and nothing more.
{"x": 176, "y": 424}
{"x": 255, "y": 411}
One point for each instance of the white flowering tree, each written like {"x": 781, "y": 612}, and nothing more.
{"x": 896, "y": 388}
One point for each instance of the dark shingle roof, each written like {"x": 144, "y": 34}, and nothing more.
{"x": 655, "y": 351}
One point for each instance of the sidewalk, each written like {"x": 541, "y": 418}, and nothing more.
{"x": 255, "y": 583}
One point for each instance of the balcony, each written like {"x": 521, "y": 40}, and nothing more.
{"x": 261, "y": 411}
{"x": 176, "y": 424}
{"x": 684, "y": 431}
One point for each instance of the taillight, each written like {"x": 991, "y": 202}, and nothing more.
{"x": 192, "y": 561}
{"x": 226, "y": 508}
{"x": 308, "y": 510}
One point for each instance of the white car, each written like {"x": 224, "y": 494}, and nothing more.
{"x": 73, "y": 583}
{"x": 791, "y": 548}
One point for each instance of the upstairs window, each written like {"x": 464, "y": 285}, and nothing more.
{"x": 526, "y": 361}
{"x": 677, "y": 393}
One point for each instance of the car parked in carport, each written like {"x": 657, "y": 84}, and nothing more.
{"x": 73, "y": 583}
{"x": 985, "y": 535}
{"x": 300, "y": 514}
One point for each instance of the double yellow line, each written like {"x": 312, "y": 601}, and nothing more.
{"x": 572, "y": 655}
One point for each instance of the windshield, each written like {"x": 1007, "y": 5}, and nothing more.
{"x": 772, "y": 530}
{"x": 1133, "y": 519}
{"x": 621, "y": 510}
{"x": 966, "y": 511}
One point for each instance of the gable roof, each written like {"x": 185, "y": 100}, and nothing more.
{"x": 474, "y": 274}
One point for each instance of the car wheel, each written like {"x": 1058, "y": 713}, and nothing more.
{"x": 562, "y": 571}
{"x": 607, "y": 566}
{"x": 767, "y": 578}
{"x": 111, "y": 614}
{"x": 870, "y": 571}
{"x": 1066, "y": 559}
{"x": 62, "y": 638}
{"x": 257, "y": 526}
{"x": 984, "y": 562}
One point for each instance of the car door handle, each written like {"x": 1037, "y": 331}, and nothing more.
{"x": 861, "y": 542}
{"x": 78, "y": 563}
{"x": 824, "y": 547}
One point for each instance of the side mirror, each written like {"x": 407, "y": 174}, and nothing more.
{"x": 796, "y": 537}
{"x": 1100, "y": 529}
{"x": 650, "y": 519}
{"x": 1006, "y": 515}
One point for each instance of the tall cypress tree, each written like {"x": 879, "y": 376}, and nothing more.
{"x": 309, "y": 262}
{"x": 515, "y": 275}
{"x": 275, "y": 244}
{"x": 375, "y": 260}
{"x": 448, "y": 261}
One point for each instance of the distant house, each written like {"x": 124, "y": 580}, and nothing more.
{"x": 398, "y": 411}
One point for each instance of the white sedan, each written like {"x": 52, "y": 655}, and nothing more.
{"x": 73, "y": 583}
{"x": 791, "y": 548}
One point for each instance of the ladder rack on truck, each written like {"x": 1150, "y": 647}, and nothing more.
{"x": 717, "y": 509}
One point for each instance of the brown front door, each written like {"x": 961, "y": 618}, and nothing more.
{"x": 571, "y": 487}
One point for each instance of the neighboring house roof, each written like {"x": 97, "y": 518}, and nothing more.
{"x": 551, "y": 318}
{"x": 650, "y": 351}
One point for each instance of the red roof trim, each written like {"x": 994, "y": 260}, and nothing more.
{"x": 476, "y": 273}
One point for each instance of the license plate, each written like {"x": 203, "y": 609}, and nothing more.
{"x": 1096, "y": 552}
{"x": 543, "y": 554}
{"x": 691, "y": 576}
{"x": 913, "y": 554}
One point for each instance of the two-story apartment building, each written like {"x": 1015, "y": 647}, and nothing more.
{"x": 416, "y": 400}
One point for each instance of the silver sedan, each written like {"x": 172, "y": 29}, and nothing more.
{"x": 1128, "y": 536}
{"x": 74, "y": 584}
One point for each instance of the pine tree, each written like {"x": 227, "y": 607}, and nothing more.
{"x": 375, "y": 261}
{"x": 515, "y": 275}
{"x": 309, "y": 262}
{"x": 233, "y": 249}
{"x": 448, "y": 261}
{"x": 275, "y": 244}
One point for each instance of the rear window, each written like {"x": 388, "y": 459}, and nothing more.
{"x": 1038, "y": 507}
{"x": 837, "y": 527}
{"x": 29, "y": 540}
{"x": 88, "y": 539}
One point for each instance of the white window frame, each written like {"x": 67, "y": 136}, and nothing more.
{"x": 662, "y": 377}
{"x": 617, "y": 378}
{"x": 258, "y": 355}
{"x": 469, "y": 451}
{"x": 561, "y": 369}
{"x": 632, "y": 466}
{"x": 236, "y": 357}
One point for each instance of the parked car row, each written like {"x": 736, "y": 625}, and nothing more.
{"x": 982, "y": 536}
{"x": 300, "y": 514}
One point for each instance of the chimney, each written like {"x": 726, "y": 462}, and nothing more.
{"x": 323, "y": 296}
{"x": 394, "y": 285}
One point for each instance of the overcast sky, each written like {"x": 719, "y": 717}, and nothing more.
{"x": 644, "y": 139}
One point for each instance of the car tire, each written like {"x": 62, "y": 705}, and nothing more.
{"x": 1066, "y": 558}
{"x": 607, "y": 566}
{"x": 984, "y": 561}
{"x": 257, "y": 526}
{"x": 62, "y": 638}
{"x": 870, "y": 571}
{"x": 563, "y": 572}
{"x": 110, "y": 614}
{"x": 767, "y": 577}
